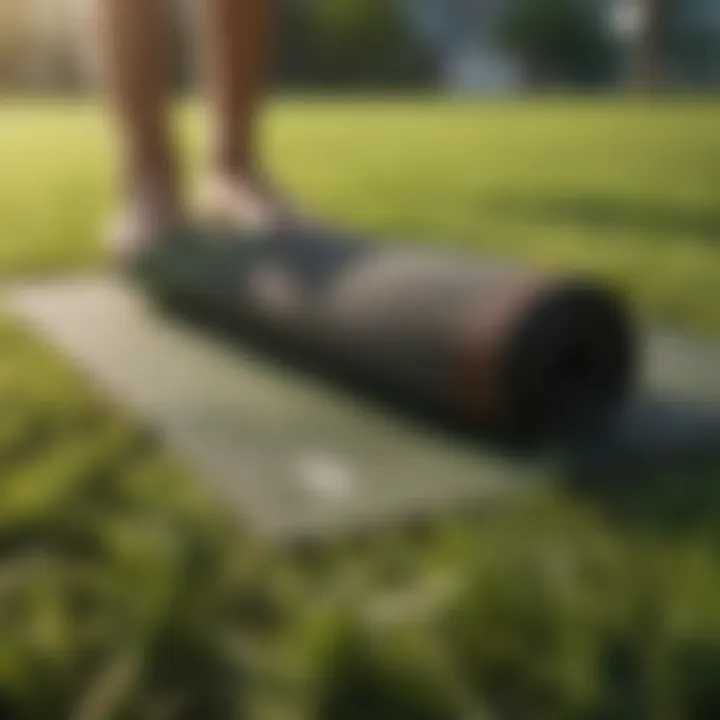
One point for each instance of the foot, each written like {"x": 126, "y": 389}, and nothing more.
{"x": 146, "y": 220}
{"x": 242, "y": 202}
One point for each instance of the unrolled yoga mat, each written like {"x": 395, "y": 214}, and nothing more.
{"x": 295, "y": 454}
{"x": 290, "y": 453}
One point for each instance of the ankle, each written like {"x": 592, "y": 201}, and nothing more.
{"x": 233, "y": 161}
{"x": 153, "y": 187}
{"x": 152, "y": 173}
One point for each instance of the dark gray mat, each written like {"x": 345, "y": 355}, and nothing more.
{"x": 295, "y": 454}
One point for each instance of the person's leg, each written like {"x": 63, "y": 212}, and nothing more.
{"x": 239, "y": 46}
{"x": 135, "y": 61}
{"x": 239, "y": 39}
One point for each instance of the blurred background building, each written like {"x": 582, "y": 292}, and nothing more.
{"x": 460, "y": 45}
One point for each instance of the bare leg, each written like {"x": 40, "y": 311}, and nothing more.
{"x": 239, "y": 47}
{"x": 135, "y": 61}
{"x": 238, "y": 51}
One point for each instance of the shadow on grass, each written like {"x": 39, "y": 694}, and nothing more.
{"x": 658, "y": 471}
{"x": 612, "y": 213}
{"x": 676, "y": 500}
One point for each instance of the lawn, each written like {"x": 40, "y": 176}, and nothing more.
{"x": 627, "y": 188}
{"x": 126, "y": 592}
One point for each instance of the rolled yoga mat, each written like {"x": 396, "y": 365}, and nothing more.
{"x": 502, "y": 349}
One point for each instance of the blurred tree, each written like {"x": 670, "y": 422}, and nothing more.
{"x": 698, "y": 55}
{"x": 558, "y": 40}
{"x": 681, "y": 43}
{"x": 350, "y": 42}
{"x": 654, "y": 46}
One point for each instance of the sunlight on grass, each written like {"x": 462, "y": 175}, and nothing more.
{"x": 126, "y": 592}
{"x": 625, "y": 188}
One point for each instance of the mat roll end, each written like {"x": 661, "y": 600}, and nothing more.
{"x": 544, "y": 357}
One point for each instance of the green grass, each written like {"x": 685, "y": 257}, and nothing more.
{"x": 126, "y": 593}
{"x": 630, "y": 189}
